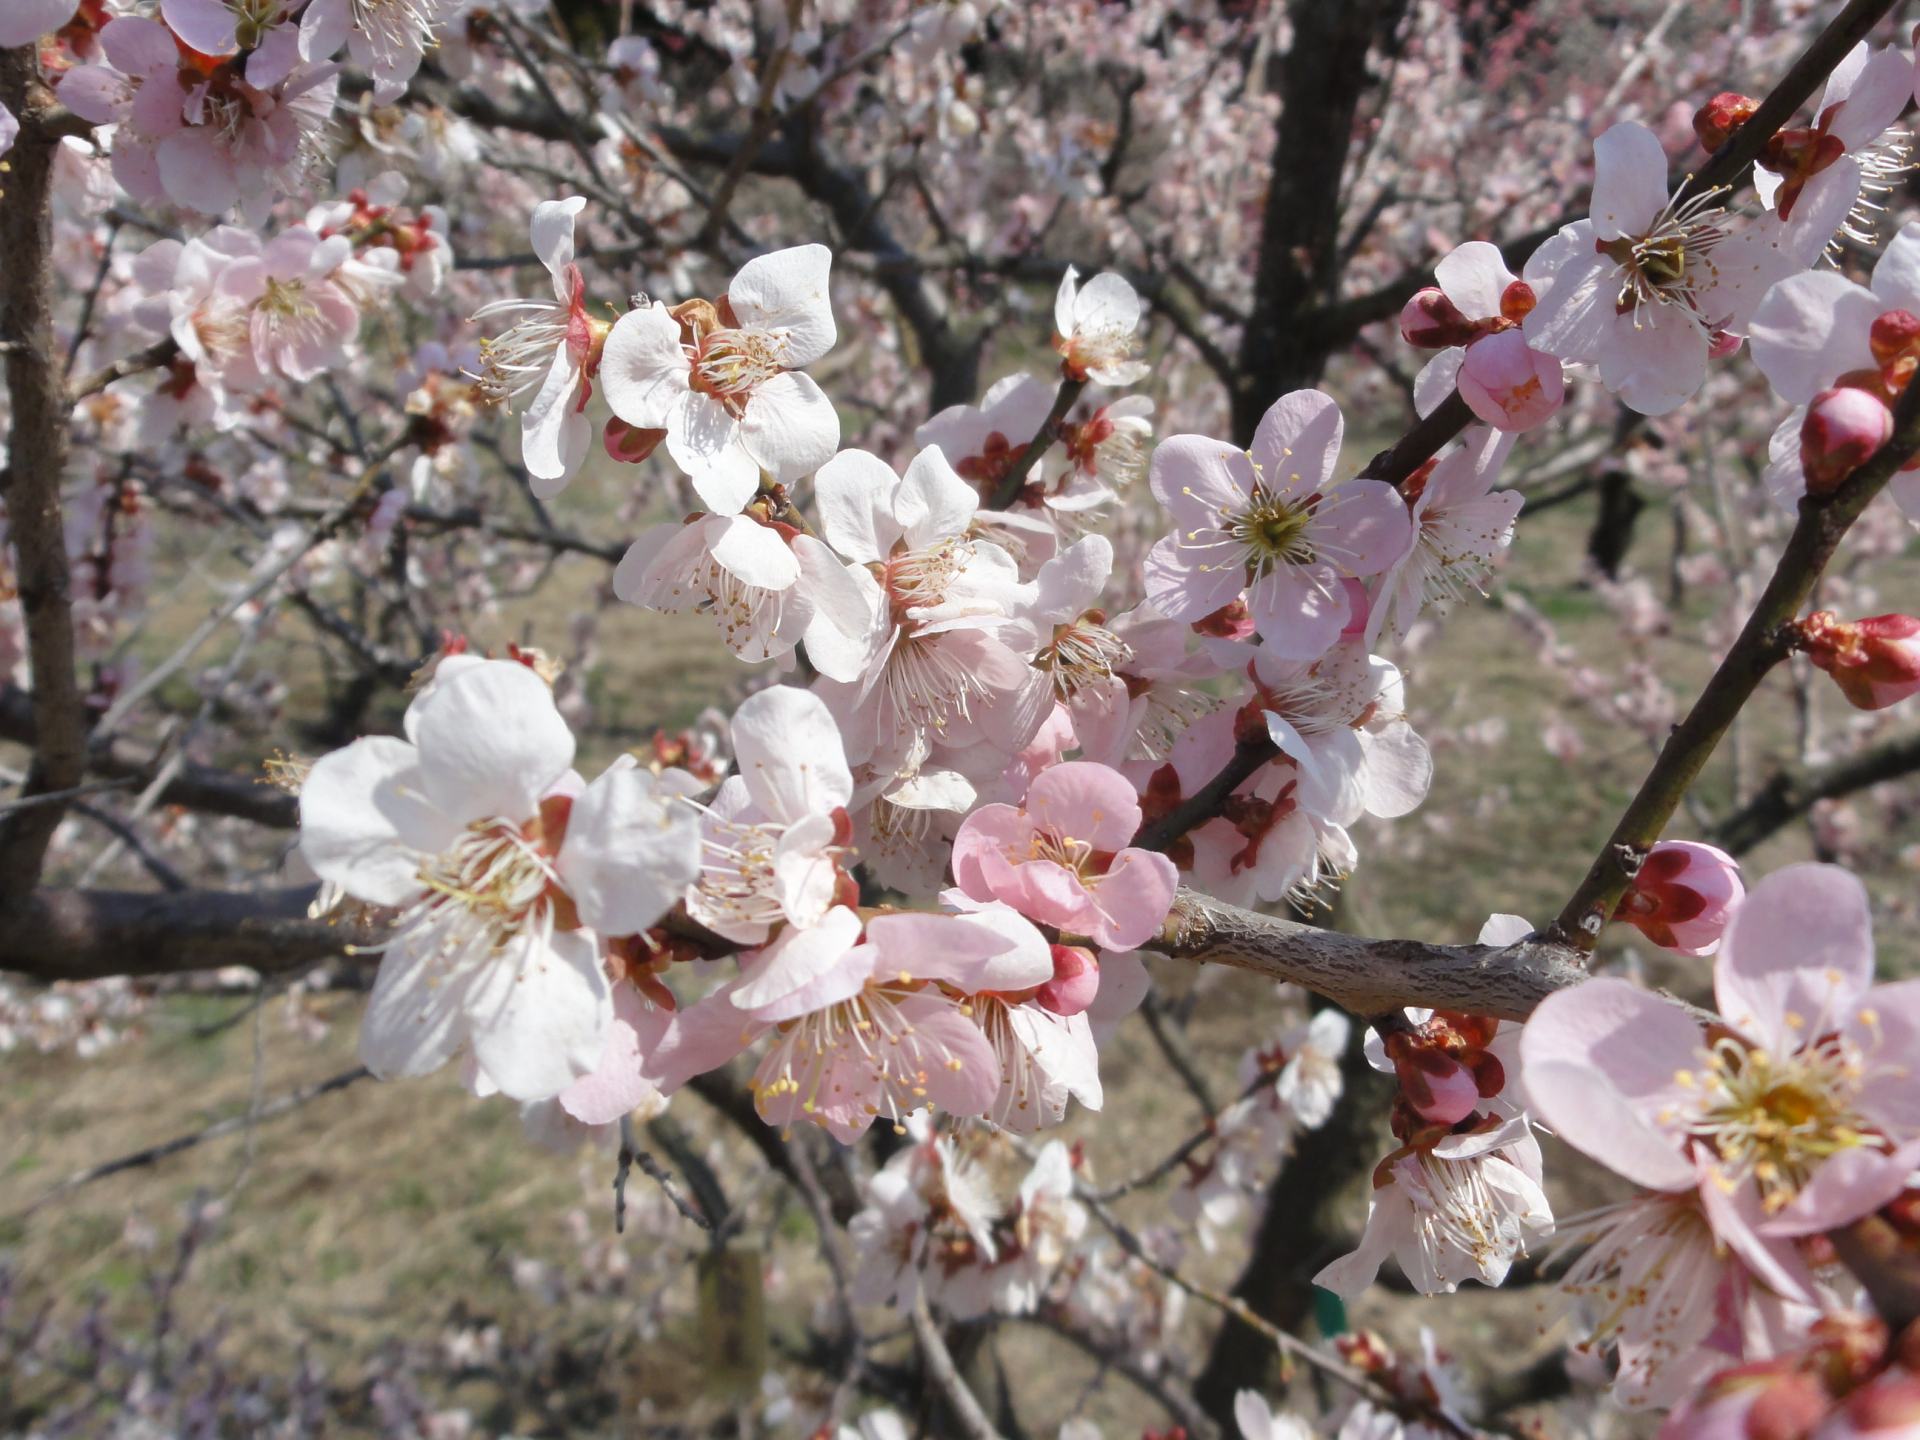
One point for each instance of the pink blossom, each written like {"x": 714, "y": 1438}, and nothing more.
{"x": 1875, "y": 661}
{"x": 1816, "y": 327}
{"x": 1642, "y": 287}
{"x": 1824, "y": 167}
{"x": 1683, "y": 896}
{"x": 300, "y": 320}
{"x": 1094, "y": 327}
{"x": 1633, "y": 1081}
{"x": 1476, "y": 314}
{"x": 389, "y": 38}
{"x": 1062, "y": 857}
{"x": 1273, "y": 521}
{"x": 1842, "y": 430}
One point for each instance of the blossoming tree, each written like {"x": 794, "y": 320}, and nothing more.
{"x": 1056, "y": 688}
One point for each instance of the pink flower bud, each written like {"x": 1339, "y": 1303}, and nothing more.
{"x": 1843, "y": 428}
{"x": 1715, "y": 121}
{"x": 1441, "y": 1090}
{"x": 1875, "y": 662}
{"x": 628, "y": 443}
{"x": 1508, "y": 384}
{"x": 1683, "y": 896}
{"x": 1076, "y": 980}
{"x": 1770, "y": 1398}
{"x": 1432, "y": 321}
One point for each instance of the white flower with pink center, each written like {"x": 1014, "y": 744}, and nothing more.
{"x": 1062, "y": 857}
{"x": 767, "y": 587}
{"x": 1274, "y": 522}
{"x": 1644, "y": 287}
{"x": 1094, "y": 329}
{"x": 937, "y": 672}
{"x": 549, "y": 353}
{"x": 874, "y": 1020}
{"x": 983, "y": 442}
{"x": 1461, "y": 526}
{"x": 773, "y": 834}
{"x": 501, "y": 868}
{"x": 1823, "y": 175}
{"x": 725, "y": 381}
{"x": 1476, "y": 314}
{"x": 1818, "y": 328}
{"x": 1799, "y": 1116}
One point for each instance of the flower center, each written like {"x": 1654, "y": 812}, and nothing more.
{"x": 1274, "y": 532}
{"x": 1777, "y": 1118}
{"x": 517, "y": 360}
{"x": 1083, "y": 653}
{"x": 729, "y": 364}
{"x": 736, "y": 881}
{"x": 1669, "y": 264}
{"x": 491, "y": 886}
{"x": 915, "y": 578}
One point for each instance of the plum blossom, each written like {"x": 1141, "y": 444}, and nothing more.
{"x": 1062, "y": 857}
{"x": 1795, "y": 1118}
{"x": 1258, "y": 1421}
{"x": 202, "y": 131}
{"x": 300, "y": 319}
{"x": 1682, "y": 896}
{"x": 1094, "y": 327}
{"x": 1475, "y": 313}
{"x": 983, "y": 442}
{"x": 1461, "y": 526}
{"x": 1875, "y": 661}
{"x": 1642, "y": 287}
{"x": 1824, "y": 167}
{"x": 550, "y": 351}
{"x": 1272, "y": 521}
{"x": 25, "y": 21}
{"x": 725, "y": 380}
{"x": 501, "y": 867}
{"x": 766, "y": 586}
{"x": 388, "y": 38}
{"x": 1818, "y": 328}
{"x": 937, "y": 671}
{"x": 877, "y": 1023}
{"x": 772, "y": 835}
{"x": 930, "y": 1214}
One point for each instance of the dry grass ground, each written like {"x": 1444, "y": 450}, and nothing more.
{"x": 386, "y": 1214}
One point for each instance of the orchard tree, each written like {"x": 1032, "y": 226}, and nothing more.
{"x": 1078, "y": 642}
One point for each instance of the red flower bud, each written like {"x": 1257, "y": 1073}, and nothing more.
{"x": 1875, "y": 662}
{"x": 1076, "y": 980}
{"x": 1715, "y": 121}
{"x": 1432, "y": 321}
{"x": 1843, "y": 428}
{"x": 1683, "y": 896}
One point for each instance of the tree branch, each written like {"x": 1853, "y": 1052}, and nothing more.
{"x": 1792, "y": 793}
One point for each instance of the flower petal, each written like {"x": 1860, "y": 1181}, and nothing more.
{"x": 491, "y": 742}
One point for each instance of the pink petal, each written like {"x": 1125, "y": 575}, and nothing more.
{"x": 1798, "y": 950}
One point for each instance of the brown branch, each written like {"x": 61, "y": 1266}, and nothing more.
{"x": 30, "y": 488}
{"x": 1049, "y": 431}
{"x": 1792, "y": 793}
{"x": 1204, "y": 803}
{"x": 944, "y": 1377}
{"x": 1762, "y": 643}
{"x": 138, "y": 363}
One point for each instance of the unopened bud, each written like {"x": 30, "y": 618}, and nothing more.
{"x": 1843, "y": 428}
{"x": 1076, "y": 980}
{"x": 1887, "y": 1409}
{"x": 1715, "y": 121}
{"x": 1895, "y": 341}
{"x": 1875, "y": 662}
{"x": 1432, "y": 321}
{"x": 1683, "y": 896}
{"x": 629, "y": 444}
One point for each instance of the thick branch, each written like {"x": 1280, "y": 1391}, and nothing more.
{"x": 91, "y": 934}
{"x": 37, "y": 451}
{"x": 1763, "y": 643}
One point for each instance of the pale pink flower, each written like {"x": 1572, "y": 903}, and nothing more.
{"x": 207, "y": 133}
{"x": 474, "y": 830}
{"x": 982, "y": 442}
{"x": 300, "y": 320}
{"x": 773, "y": 835}
{"x": 387, "y": 38}
{"x": 226, "y": 27}
{"x": 1643, "y": 287}
{"x": 930, "y": 1214}
{"x": 1094, "y": 327}
{"x": 1062, "y": 857}
{"x": 1800, "y": 1117}
{"x": 1816, "y": 327}
{"x": 1682, "y": 896}
{"x": 549, "y": 352}
{"x": 1476, "y": 315}
{"x": 25, "y": 21}
{"x": 1822, "y": 169}
{"x": 1272, "y": 521}
{"x": 938, "y": 672}
{"x": 726, "y": 382}
{"x": 1460, "y": 528}
{"x": 1462, "y": 1208}
{"x": 621, "y": 1080}
{"x": 767, "y": 587}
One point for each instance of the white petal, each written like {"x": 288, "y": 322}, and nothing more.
{"x": 1629, "y": 181}
{"x": 755, "y": 554}
{"x": 854, "y": 494}
{"x": 551, "y": 230}
{"x": 1811, "y": 328}
{"x": 790, "y": 753}
{"x": 932, "y": 502}
{"x": 631, "y": 849}
{"x": 643, "y": 368}
{"x": 547, "y": 1029}
{"x": 788, "y": 291}
{"x": 790, "y": 427}
{"x": 491, "y": 742}
{"x": 363, "y": 822}
{"x": 1474, "y": 276}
